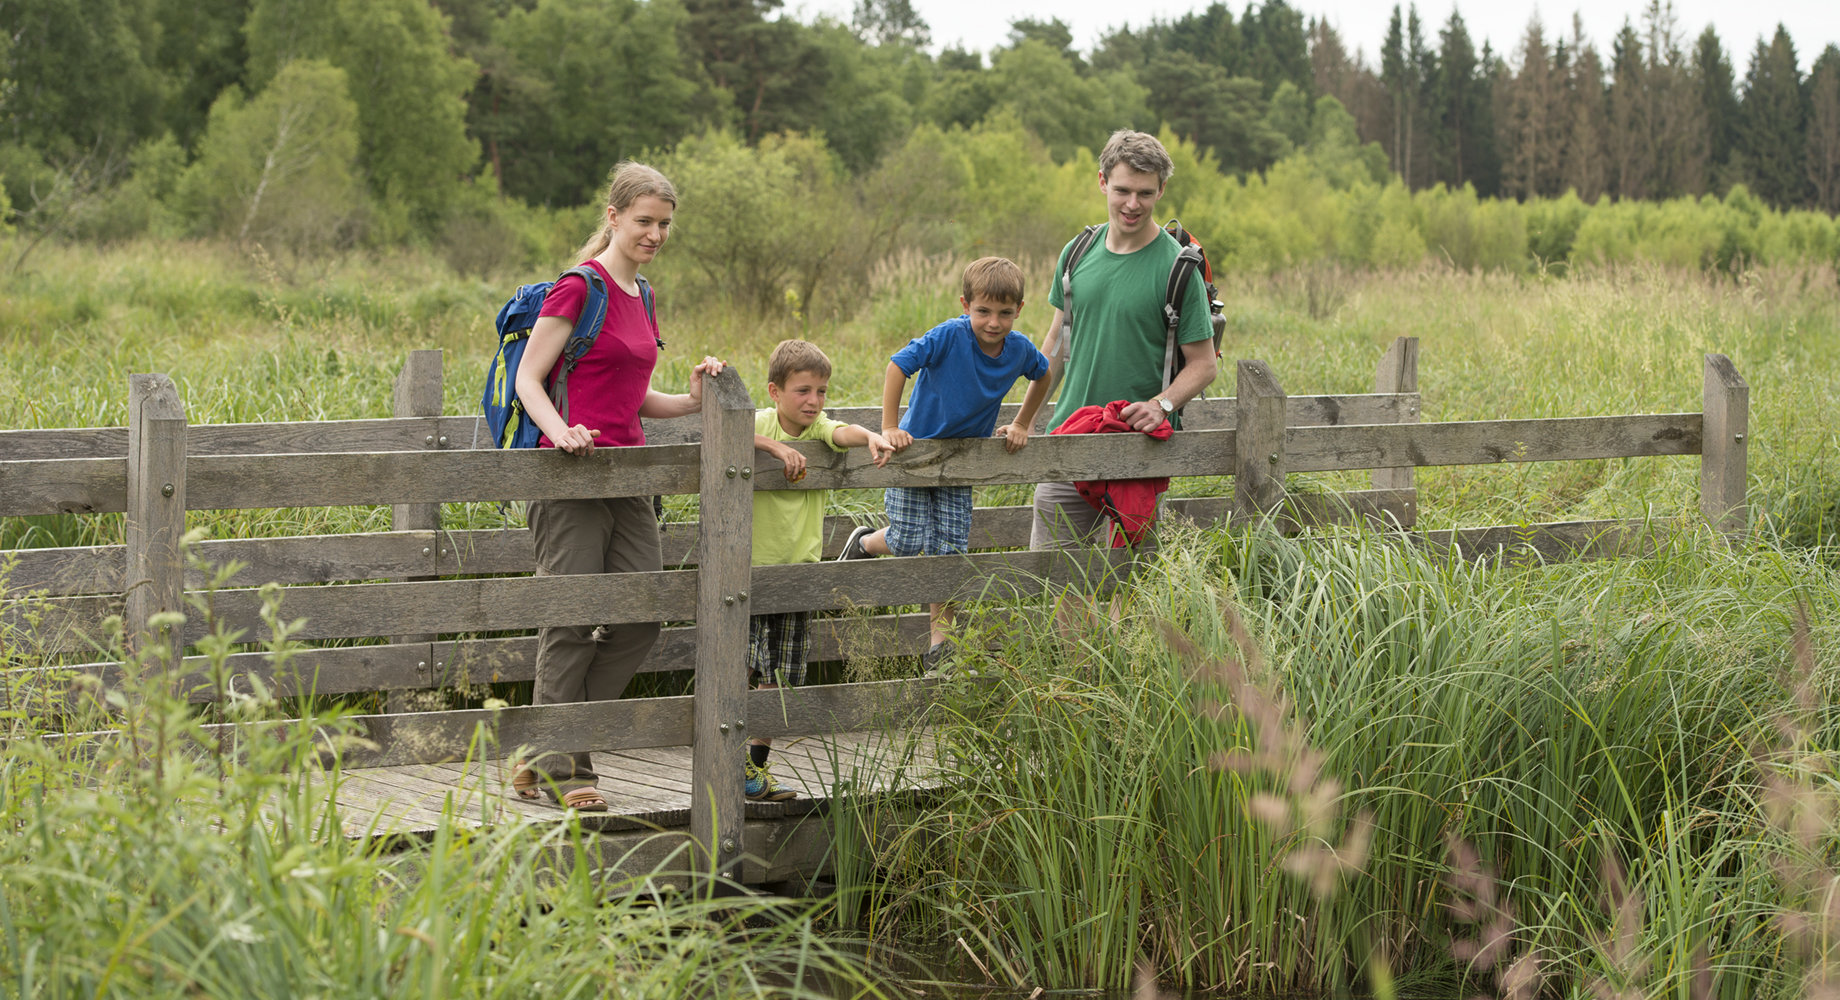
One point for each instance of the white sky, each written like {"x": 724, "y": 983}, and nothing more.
{"x": 984, "y": 24}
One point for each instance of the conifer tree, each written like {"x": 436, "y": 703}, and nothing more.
{"x": 1824, "y": 130}
{"x": 1772, "y": 127}
{"x": 1718, "y": 101}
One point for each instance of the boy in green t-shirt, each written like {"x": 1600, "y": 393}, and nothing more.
{"x": 789, "y": 524}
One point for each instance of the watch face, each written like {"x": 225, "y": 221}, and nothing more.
{"x": 1167, "y": 406}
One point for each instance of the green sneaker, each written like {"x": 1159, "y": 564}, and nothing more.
{"x": 758, "y": 784}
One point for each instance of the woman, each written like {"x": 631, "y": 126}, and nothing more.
{"x": 608, "y": 391}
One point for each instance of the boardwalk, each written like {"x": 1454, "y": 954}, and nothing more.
{"x": 427, "y": 605}
{"x": 648, "y": 791}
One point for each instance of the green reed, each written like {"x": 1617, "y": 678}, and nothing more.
{"x": 146, "y": 858}
{"x": 1555, "y": 717}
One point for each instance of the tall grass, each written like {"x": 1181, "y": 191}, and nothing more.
{"x": 1564, "y": 720}
{"x": 1551, "y": 716}
{"x": 145, "y": 860}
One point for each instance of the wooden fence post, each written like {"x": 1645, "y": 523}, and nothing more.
{"x": 724, "y": 567}
{"x": 1398, "y": 372}
{"x": 417, "y": 393}
{"x": 1723, "y": 446}
{"x": 156, "y": 517}
{"x": 1258, "y": 471}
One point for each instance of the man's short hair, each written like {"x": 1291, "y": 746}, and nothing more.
{"x": 793, "y": 356}
{"x": 1138, "y": 150}
{"x": 995, "y": 278}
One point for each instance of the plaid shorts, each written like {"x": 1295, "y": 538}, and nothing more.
{"x": 777, "y": 646}
{"x": 928, "y": 520}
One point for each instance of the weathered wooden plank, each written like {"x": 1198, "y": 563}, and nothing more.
{"x": 1259, "y": 467}
{"x": 337, "y": 670}
{"x": 1215, "y": 413}
{"x": 468, "y": 432}
{"x": 63, "y": 486}
{"x": 1723, "y": 468}
{"x": 237, "y": 482}
{"x": 324, "y": 480}
{"x": 61, "y": 626}
{"x": 985, "y": 461}
{"x": 448, "y": 606}
{"x": 1486, "y": 442}
{"x": 891, "y": 581}
{"x": 401, "y": 477}
{"x": 445, "y": 606}
{"x": 722, "y": 609}
{"x": 1397, "y": 373}
{"x": 388, "y": 434}
{"x": 417, "y": 393}
{"x": 432, "y": 737}
{"x": 452, "y": 664}
{"x": 1556, "y": 541}
{"x": 299, "y": 559}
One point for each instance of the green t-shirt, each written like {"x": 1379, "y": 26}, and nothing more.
{"x": 789, "y": 524}
{"x": 1119, "y": 335}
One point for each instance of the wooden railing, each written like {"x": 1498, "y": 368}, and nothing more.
{"x": 446, "y": 585}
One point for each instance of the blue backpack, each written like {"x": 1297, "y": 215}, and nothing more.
{"x": 509, "y": 425}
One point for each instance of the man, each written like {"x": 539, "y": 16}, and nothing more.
{"x": 1118, "y": 332}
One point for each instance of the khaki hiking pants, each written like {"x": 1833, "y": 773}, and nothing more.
{"x": 588, "y": 662}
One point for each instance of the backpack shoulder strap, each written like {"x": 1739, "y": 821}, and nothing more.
{"x": 1081, "y": 244}
{"x": 587, "y": 329}
{"x": 1181, "y": 271}
{"x": 651, "y": 310}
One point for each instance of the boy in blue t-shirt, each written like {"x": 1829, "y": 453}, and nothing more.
{"x": 962, "y": 369}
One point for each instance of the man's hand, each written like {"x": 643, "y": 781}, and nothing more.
{"x": 1015, "y": 438}
{"x": 898, "y": 439}
{"x": 1143, "y": 417}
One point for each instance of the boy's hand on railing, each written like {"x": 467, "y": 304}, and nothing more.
{"x": 1015, "y": 437}
{"x": 879, "y": 449}
{"x": 898, "y": 439}
{"x": 793, "y": 459}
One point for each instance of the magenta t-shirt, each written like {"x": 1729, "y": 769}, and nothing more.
{"x": 610, "y": 381}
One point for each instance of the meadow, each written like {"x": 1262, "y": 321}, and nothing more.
{"x": 1635, "y": 753}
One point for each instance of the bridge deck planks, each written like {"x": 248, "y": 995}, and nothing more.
{"x": 645, "y": 788}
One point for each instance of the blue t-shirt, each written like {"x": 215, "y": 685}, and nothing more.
{"x": 959, "y": 388}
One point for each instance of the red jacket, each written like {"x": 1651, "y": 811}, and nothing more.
{"x": 1130, "y": 503}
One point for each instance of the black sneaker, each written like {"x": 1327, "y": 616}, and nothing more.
{"x": 853, "y": 546}
{"x": 936, "y": 661}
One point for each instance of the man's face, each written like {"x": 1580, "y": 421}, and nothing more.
{"x": 1130, "y": 198}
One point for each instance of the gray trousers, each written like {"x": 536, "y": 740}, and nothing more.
{"x": 1064, "y": 520}
{"x": 575, "y": 662}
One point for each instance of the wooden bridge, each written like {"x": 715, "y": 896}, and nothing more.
{"x": 421, "y": 597}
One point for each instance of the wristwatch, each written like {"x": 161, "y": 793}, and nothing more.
{"x": 1167, "y": 406}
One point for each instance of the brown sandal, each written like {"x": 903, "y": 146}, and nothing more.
{"x": 584, "y": 799}
{"x": 523, "y": 781}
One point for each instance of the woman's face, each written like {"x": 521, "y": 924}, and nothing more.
{"x": 641, "y": 227}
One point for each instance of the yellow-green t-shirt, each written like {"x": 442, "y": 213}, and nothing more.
{"x": 789, "y": 524}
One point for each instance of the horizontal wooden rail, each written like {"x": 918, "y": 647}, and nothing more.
{"x": 1487, "y": 442}
{"x": 325, "y": 479}
{"x": 382, "y": 555}
{"x": 458, "y": 433}
{"x": 343, "y": 611}
{"x": 438, "y": 737}
{"x": 462, "y": 665}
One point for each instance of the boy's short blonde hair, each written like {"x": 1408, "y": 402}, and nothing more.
{"x": 1138, "y": 150}
{"x": 790, "y": 356}
{"x": 995, "y": 278}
